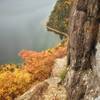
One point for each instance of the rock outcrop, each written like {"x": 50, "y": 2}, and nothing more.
{"x": 86, "y": 83}
{"x": 85, "y": 86}
{"x": 49, "y": 89}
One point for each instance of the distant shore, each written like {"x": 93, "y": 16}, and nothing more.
{"x": 57, "y": 31}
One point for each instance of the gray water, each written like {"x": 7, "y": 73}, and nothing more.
{"x": 21, "y": 27}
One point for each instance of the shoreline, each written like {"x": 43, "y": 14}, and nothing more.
{"x": 56, "y": 31}
{"x": 48, "y": 28}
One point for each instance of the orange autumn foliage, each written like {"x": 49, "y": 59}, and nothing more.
{"x": 40, "y": 63}
{"x": 15, "y": 79}
{"x": 37, "y": 63}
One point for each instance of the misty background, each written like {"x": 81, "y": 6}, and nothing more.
{"x": 22, "y": 27}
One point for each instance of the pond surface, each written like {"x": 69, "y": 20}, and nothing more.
{"x": 22, "y": 27}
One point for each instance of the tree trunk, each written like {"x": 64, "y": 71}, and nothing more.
{"x": 83, "y": 32}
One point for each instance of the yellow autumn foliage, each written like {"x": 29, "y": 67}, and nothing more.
{"x": 17, "y": 79}
{"x": 13, "y": 83}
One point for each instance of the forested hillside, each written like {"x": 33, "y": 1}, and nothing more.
{"x": 59, "y": 16}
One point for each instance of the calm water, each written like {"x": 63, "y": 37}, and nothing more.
{"x": 21, "y": 27}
